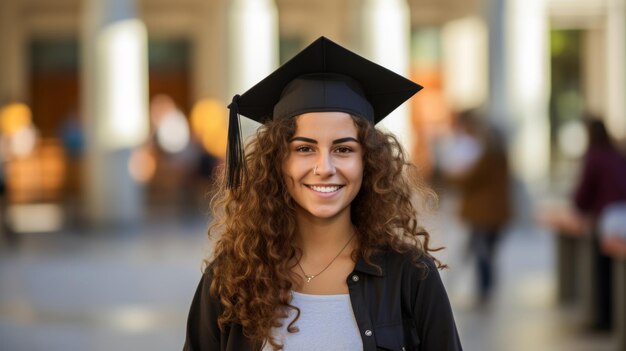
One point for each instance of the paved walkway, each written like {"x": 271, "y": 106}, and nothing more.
{"x": 131, "y": 291}
{"x": 106, "y": 292}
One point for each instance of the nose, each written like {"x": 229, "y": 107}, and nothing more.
{"x": 324, "y": 166}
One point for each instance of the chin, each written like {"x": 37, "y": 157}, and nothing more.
{"x": 324, "y": 213}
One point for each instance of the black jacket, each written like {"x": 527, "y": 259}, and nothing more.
{"x": 402, "y": 306}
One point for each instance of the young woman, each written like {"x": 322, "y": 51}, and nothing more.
{"x": 318, "y": 244}
{"x": 602, "y": 184}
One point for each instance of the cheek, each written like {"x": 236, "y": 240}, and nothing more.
{"x": 288, "y": 167}
{"x": 352, "y": 170}
{"x": 288, "y": 181}
{"x": 291, "y": 170}
{"x": 356, "y": 170}
{"x": 359, "y": 182}
{"x": 287, "y": 178}
{"x": 361, "y": 172}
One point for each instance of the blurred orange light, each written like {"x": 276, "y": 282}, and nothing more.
{"x": 160, "y": 106}
{"x": 209, "y": 124}
{"x": 142, "y": 165}
{"x": 14, "y": 117}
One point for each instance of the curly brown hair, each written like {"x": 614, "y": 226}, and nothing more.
{"x": 255, "y": 225}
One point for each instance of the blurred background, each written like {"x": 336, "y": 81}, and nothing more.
{"x": 113, "y": 119}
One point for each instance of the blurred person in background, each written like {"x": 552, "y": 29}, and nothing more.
{"x": 480, "y": 172}
{"x": 319, "y": 246}
{"x": 602, "y": 184}
{"x": 73, "y": 142}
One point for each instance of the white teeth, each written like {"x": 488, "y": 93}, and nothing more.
{"x": 325, "y": 189}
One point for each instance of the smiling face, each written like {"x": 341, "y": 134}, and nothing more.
{"x": 324, "y": 168}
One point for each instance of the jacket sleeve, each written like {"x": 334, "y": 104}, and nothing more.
{"x": 203, "y": 333}
{"x": 433, "y": 314}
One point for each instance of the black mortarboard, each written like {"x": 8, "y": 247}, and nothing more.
{"x": 323, "y": 77}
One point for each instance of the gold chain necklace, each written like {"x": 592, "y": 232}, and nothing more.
{"x": 310, "y": 277}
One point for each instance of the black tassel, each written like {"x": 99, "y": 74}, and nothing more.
{"x": 235, "y": 162}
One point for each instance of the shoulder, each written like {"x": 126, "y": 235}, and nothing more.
{"x": 205, "y": 296}
{"x": 204, "y": 287}
{"x": 416, "y": 276}
{"x": 423, "y": 299}
{"x": 203, "y": 332}
{"x": 410, "y": 261}
{"x": 207, "y": 273}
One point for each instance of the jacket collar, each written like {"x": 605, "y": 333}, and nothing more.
{"x": 371, "y": 269}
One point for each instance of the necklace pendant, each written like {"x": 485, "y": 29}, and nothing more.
{"x": 310, "y": 277}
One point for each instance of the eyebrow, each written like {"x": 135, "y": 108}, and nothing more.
{"x": 313, "y": 141}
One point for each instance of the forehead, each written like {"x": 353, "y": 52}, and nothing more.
{"x": 326, "y": 124}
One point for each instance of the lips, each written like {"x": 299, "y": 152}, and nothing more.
{"x": 325, "y": 188}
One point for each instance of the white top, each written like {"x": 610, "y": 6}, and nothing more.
{"x": 613, "y": 221}
{"x": 326, "y": 323}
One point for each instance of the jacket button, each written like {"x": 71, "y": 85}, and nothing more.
{"x": 355, "y": 278}
{"x": 403, "y": 348}
{"x": 368, "y": 333}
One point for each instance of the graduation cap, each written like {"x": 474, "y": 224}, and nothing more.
{"x": 324, "y": 77}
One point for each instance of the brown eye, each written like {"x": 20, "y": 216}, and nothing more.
{"x": 304, "y": 148}
{"x": 343, "y": 149}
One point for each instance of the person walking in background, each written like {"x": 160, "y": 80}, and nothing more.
{"x": 602, "y": 183}
{"x": 603, "y": 177}
{"x": 483, "y": 181}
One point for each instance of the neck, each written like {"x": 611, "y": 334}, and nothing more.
{"x": 317, "y": 235}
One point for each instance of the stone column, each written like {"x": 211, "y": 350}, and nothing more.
{"x": 497, "y": 106}
{"x": 114, "y": 108}
{"x": 252, "y": 47}
{"x": 14, "y": 60}
{"x": 615, "y": 68}
{"x": 466, "y": 80}
{"x": 209, "y": 54}
{"x": 527, "y": 81}
{"x": 594, "y": 69}
{"x": 384, "y": 27}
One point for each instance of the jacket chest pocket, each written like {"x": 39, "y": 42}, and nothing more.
{"x": 392, "y": 337}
